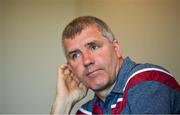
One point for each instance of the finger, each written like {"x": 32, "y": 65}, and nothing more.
{"x": 68, "y": 81}
{"x": 61, "y": 69}
{"x": 67, "y": 71}
{"x": 75, "y": 77}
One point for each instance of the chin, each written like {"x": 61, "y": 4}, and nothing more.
{"x": 98, "y": 86}
{"x": 98, "y": 83}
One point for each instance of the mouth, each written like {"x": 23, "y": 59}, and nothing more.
{"x": 90, "y": 73}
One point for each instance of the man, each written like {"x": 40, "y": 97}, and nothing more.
{"x": 94, "y": 61}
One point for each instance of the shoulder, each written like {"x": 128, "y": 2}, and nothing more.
{"x": 139, "y": 68}
{"x": 150, "y": 72}
{"x": 151, "y": 89}
{"x": 153, "y": 97}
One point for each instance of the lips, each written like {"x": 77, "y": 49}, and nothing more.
{"x": 92, "y": 72}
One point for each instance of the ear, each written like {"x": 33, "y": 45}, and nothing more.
{"x": 117, "y": 48}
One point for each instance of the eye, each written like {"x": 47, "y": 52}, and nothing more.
{"x": 74, "y": 56}
{"x": 93, "y": 46}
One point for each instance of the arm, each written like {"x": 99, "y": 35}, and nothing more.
{"x": 69, "y": 91}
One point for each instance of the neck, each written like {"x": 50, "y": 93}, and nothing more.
{"x": 103, "y": 93}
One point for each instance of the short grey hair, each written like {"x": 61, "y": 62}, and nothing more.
{"x": 76, "y": 26}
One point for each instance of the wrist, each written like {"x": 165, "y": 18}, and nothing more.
{"x": 61, "y": 105}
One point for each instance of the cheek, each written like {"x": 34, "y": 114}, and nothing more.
{"x": 105, "y": 58}
{"x": 77, "y": 70}
{"x": 108, "y": 61}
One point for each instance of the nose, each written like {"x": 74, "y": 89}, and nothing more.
{"x": 88, "y": 59}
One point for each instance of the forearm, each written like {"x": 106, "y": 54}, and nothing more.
{"x": 61, "y": 106}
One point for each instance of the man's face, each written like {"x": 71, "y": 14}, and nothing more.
{"x": 93, "y": 59}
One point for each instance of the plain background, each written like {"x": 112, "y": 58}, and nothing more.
{"x": 30, "y": 43}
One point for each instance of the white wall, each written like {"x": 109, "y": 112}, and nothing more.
{"x": 30, "y": 48}
{"x": 31, "y": 53}
{"x": 1, "y": 49}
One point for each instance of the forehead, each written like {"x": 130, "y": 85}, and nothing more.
{"x": 86, "y": 36}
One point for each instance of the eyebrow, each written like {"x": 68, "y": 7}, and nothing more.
{"x": 92, "y": 42}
